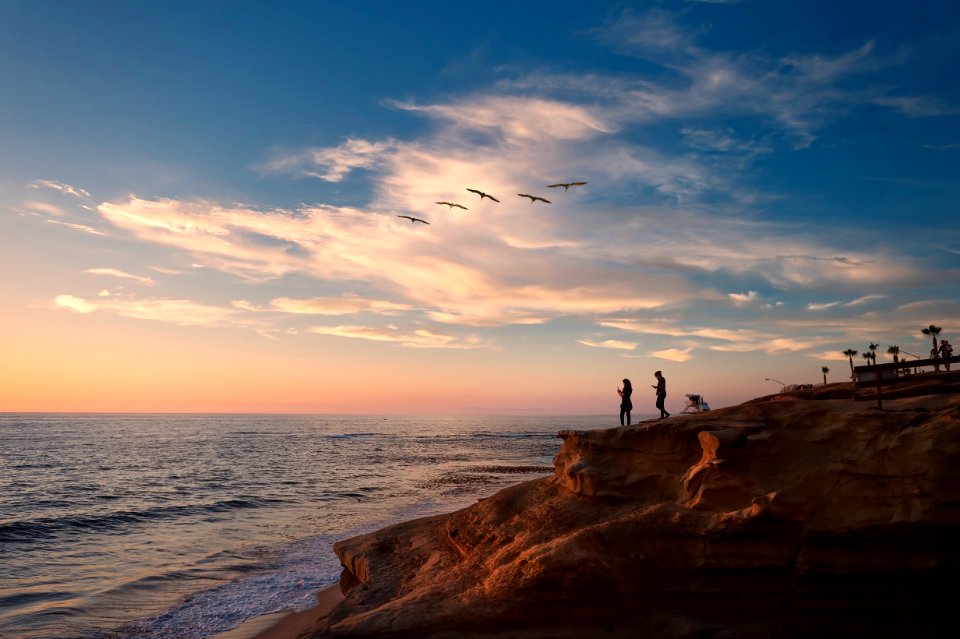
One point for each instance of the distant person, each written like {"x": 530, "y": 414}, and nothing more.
{"x": 661, "y": 388}
{"x": 934, "y": 355}
{"x": 946, "y": 352}
{"x": 625, "y": 404}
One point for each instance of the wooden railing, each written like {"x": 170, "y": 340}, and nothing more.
{"x": 876, "y": 375}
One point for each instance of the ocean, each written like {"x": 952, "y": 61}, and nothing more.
{"x": 185, "y": 526}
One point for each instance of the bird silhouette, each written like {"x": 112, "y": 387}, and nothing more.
{"x": 565, "y": 185}
{"x": 453, "y": 204}
{"x": 483, "y": 195}
{"x": 413, "y": 219}
{"x": 534, "y": 198}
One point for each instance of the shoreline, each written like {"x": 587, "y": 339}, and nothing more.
{"x": 285, "y": 624}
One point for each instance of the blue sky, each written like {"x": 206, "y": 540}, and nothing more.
{"x": 769, "y": 183}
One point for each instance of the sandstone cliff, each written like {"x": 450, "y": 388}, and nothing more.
{"x": 795, "y": 515}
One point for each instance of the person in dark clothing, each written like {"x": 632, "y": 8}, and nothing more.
{"x": 661, "y": 393}
{"x": 625, "y": 404}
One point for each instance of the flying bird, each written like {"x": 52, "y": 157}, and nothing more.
{"x": 534, "y": 198}
{"x": 565, "y": 185}
{"x": 453, "y": 204}
{"x": 483, "y": 195}
{"x": 413, "y": 219}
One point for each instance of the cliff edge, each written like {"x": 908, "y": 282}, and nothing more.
{"x": 793, "y": 515}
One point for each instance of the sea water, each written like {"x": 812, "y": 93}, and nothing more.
{"x": 184, "y": 526}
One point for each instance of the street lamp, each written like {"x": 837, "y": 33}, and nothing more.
{"x": 902, "y": 352}
{"x": 782, "y": 385}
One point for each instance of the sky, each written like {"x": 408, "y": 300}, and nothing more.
{"x": 200, "y": 201}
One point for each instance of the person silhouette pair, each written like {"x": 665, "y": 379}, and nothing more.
{"x": 626, "y": 403}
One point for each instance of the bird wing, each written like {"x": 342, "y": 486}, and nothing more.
{"x": 492, "y": 198}
{"x": 406, "y": 216}
{"x": 542, "y": 199}
{"x": 447, "y": 203}
{"x": 577, "y": 183}
{"x": 553, "y": 186}
{"x": 460, "y": 206}
{"x": 480, "y": 193}
{"x": 525, "y": 195}
{"x": 417, "y": 219}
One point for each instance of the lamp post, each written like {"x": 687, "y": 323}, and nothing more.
{"x": 913, "y": 356}
{"x": 782, "y": 385}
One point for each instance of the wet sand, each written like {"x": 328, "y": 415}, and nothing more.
{"x": 287, "y": 625}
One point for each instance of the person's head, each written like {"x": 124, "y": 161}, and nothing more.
{"x": 658, "y": 374}
{"x": 626, "y": 384}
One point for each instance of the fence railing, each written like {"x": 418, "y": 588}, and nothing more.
{"x": 876, "y": 375}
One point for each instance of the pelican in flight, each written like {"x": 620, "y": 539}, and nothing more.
{"x": 565, "y": 185}
{"x": 453, "y": 204}
{"x": 483, "y": 195}
{"x": 413, "y": 219}
{"x": 534, "y": 198}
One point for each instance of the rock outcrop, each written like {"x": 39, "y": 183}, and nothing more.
{"x": 787, "y": 516}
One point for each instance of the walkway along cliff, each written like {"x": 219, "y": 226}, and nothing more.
{"x": 794, "y": 515}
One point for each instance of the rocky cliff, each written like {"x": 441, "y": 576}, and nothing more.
{"x": 795, "y": 515}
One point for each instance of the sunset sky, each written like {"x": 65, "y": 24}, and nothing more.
{"x": 199, "y": 201}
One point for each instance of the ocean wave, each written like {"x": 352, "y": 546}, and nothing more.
{"x": 31, "y": 530}
{"x": 10, "y": 602}
{"x": 506, "y": 470}
{"x": 357, "y": 435}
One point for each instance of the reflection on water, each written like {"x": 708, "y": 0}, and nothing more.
{"x": 185, "y": 525}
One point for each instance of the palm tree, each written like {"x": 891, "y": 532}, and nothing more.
{"x": 850, "y": 352}
{"x": 868, "y": 355}
{"x": 895, "y": 351}
{"x": 824, "y": 370}
{"x": 873, "y": 351}
{"x": 933, "y": 331}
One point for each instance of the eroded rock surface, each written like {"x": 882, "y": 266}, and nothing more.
{"x": 790, "y": 516}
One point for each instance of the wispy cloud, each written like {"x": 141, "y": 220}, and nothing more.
{"x": 77, "y": 227}
{"x": 170, "y": 311}
{"x": 59, "y": 186}
{"x": 335, "y": 305}
{"x": 866, "y": 299}
{"x": 518, "y": 119}
{"x": 331, "y": 164}
{"x": 112, "y": 272}
{"x": 830, "y": 356}
{"x": 822, "y": 306}
{"x": 609, "y": 343}
{"x": 918, "y": 106}
{"x": 723, "y": 140}
{"x": 860, "y": 301}
{"x": 801, "y": 92}
{"x": 674, "y": 354}
{"x": 44, "y": 207}
{"x": 420, "y": 338}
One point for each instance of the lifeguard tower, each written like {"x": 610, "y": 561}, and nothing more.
{"x": 695, "y": 404}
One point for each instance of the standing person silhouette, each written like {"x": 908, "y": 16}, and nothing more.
{"x": 661, "y": 393}
{"x": 625, "y": 404}
{"x": 946, "y": 352}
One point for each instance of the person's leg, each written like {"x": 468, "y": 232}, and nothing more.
{"x": 622, "y": 411}
{"x": 628, "y": 417}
